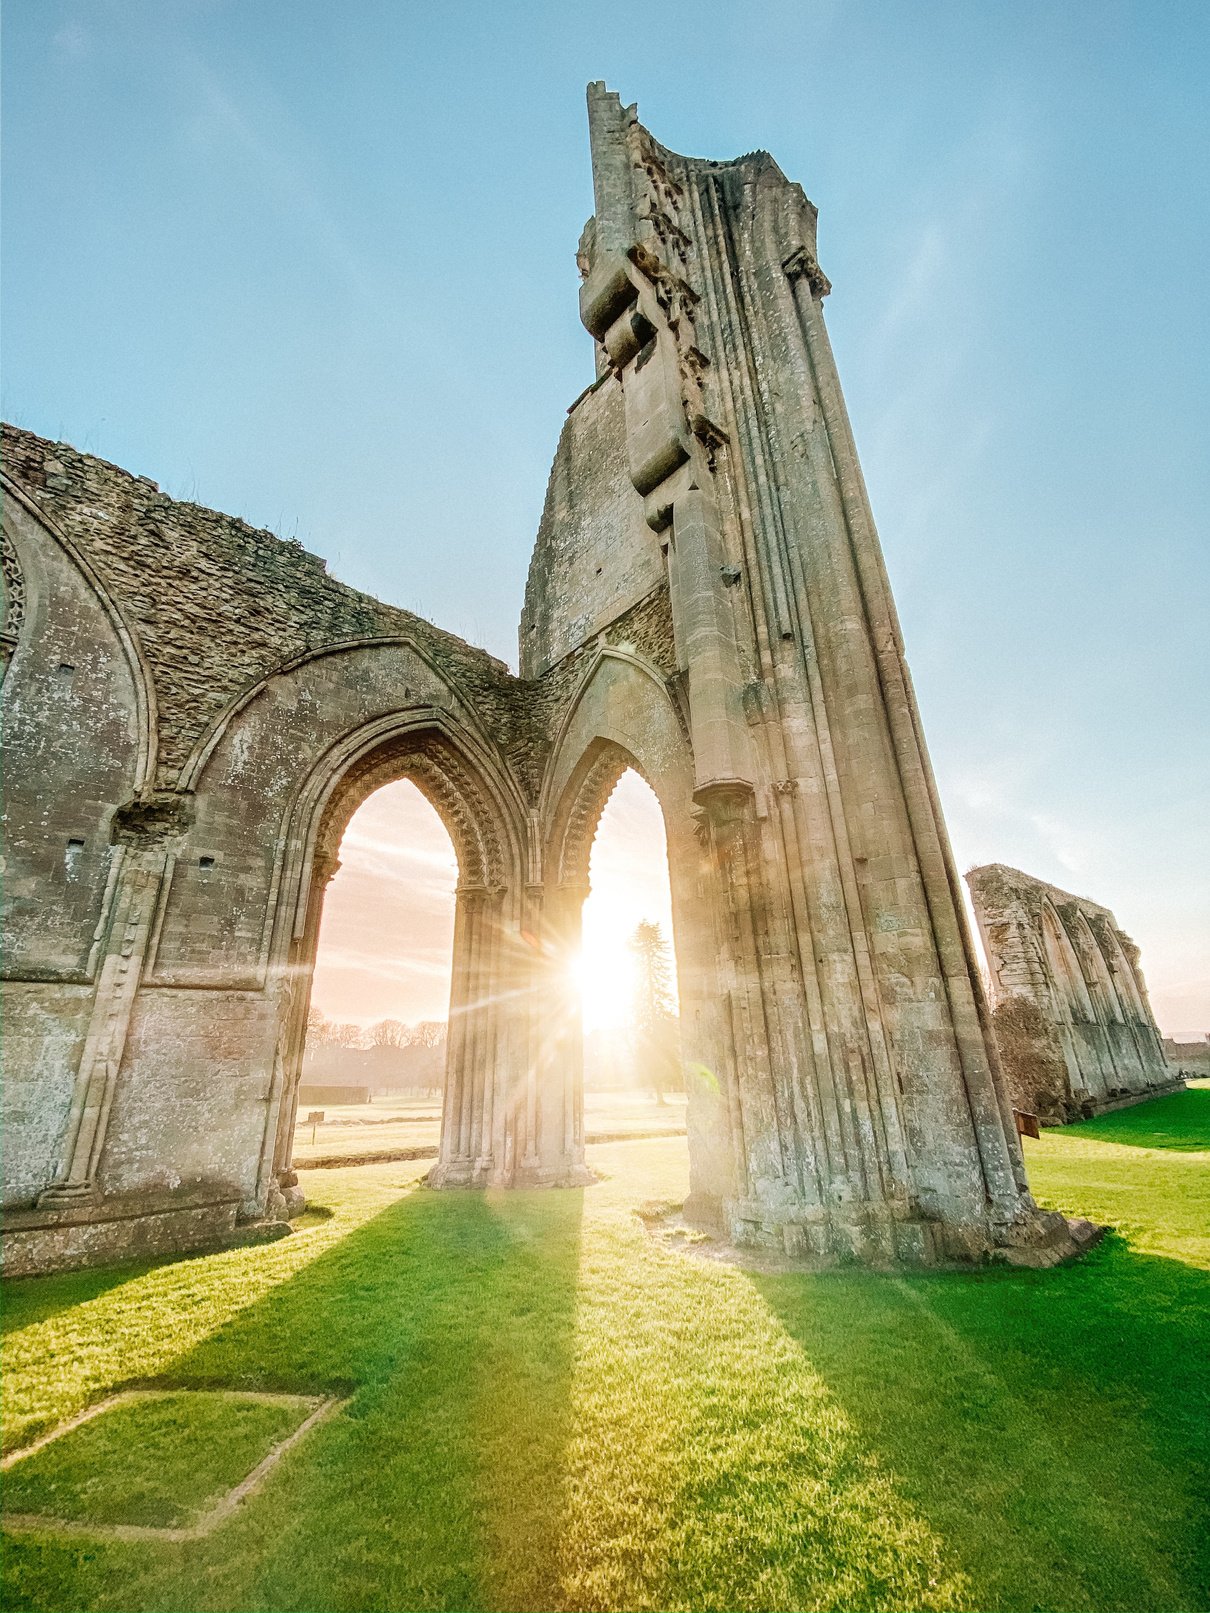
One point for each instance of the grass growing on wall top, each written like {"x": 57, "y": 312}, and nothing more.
{"x": 551, "y": 1411}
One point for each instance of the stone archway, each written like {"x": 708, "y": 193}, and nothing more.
{"x": 567, "y": 888}
{"x": 483, "y": 1129}
{"x": 623, "y": 716}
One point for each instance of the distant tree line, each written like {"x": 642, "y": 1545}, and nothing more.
{"x": 649, "y": 1056}
{"x": 325, "y": 1032}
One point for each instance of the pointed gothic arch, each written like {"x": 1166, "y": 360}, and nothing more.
{"x": 623, "y": 715}
{"x": 473, "y": 800}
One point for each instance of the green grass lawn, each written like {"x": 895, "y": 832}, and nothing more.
{"x": 550, "y": 1410}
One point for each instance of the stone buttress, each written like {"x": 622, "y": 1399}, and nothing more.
{"x": 855, "y": 1103}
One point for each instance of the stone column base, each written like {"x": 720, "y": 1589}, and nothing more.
{"x": 481, "y": 1173}
{"x": 876, "y": 1236}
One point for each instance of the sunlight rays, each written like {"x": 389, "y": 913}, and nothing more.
{"x": 628, "y": 875}
{"x": 673, "y": 1355}
{"x": 386, "y": 940}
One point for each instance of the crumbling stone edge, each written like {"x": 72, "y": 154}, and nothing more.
{"x": 668, "y": 1225}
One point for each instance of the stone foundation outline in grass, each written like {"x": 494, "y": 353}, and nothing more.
{"x": 317, "y": 1408}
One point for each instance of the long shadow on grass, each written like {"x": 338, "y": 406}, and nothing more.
{"x": 25, "y": 1301}
{"x": 449, "y": 1320}
{"x": 1180, "y": 1121}
{"x": 1051, "y": 1426}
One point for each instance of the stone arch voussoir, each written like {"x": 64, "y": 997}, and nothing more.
{"x": 622, "y": 715}
{"x": 474, "y": 796}
{"x": 441, "y": 773}
{"x": 469, "y": 789}
{"x": 579, "y": 813}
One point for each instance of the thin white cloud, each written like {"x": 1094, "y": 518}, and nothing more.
{"x": 73, "y": 39}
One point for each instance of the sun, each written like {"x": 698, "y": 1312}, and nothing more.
{"x": 628, "y": 875}
{"x": 604, "y": 971}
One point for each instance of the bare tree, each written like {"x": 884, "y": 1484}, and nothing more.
{"x": 428, "y": 1033}
{"x": 319, "y": 1027}
{"x": 325, "y": 1032}
{"x": 390, "y": 1033}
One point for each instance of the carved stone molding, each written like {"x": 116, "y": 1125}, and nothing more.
{"x": 449, "y": 783}
{"x": 592, "y": 795}
{"x": 802, "y": 264}
{"x": 14, "y": 593}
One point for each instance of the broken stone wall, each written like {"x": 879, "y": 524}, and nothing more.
{"x": 707, "y": 602}
{"x": 1073, "y": 1022}
{"x": 595, "y": 558}
{"x": 172, "y": 675}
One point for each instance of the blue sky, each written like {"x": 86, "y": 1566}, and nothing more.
{"x": 313, "y": 264}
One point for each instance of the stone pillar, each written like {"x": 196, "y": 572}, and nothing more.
{"x": 708, "y": 1050}
{"x": 278, "y": 1195}
{"x": 466, "y": 1157}
{"x": 554, "y": 1121}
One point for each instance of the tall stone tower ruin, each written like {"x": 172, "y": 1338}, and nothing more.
{"x": 859, "y": 1103}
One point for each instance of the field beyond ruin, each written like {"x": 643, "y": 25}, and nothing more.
{"x": 535, "y": 1405}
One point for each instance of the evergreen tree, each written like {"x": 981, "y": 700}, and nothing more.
{"x": 656, "y": 1035}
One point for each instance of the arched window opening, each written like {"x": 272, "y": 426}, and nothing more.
{"x": 374, "y": 1063}
{"x": 633, "y": 1072}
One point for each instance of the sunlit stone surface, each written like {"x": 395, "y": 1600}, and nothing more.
{"x": 1073, "y": 1022}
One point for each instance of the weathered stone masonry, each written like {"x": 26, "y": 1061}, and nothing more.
{"x": 1073, "y": 1021}
{"x": 194, "y": 709}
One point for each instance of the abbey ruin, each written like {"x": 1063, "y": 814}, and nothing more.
{"x": 1073, "y": 1023}
{"x": 194, "y": 709}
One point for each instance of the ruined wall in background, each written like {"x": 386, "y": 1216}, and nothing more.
{"x": 1073, "y": 1021}
{"x": 1192, "y": 1059}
